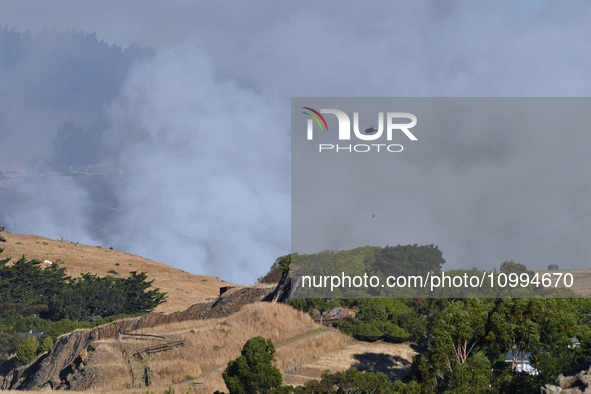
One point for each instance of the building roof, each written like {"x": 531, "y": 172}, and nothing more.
{"x": 32, "y": 333}
{"x": 518, "y": 357}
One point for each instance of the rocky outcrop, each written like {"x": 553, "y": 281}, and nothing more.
{"x": 579, "y": 383}
{"x": 64, "y": 366}
{"x": 286, "y": 286}
{"x": 53, "y": 365}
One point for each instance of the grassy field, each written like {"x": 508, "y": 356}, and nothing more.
{"x": 392, "y": 359}
{"x": 182, "y": 287}
{"x": 211, "y": 344}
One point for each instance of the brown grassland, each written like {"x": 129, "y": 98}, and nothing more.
{"x": 211, "y": 344}
{"x": 183, "y": 288}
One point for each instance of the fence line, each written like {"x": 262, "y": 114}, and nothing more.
{"x": 126, "y": 356}
{"x": 143, "y": 336}
{"x": 160, "y": 348}
{"x": 147, "y": 351}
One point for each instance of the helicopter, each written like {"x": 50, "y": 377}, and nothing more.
{"x": 371, "y": 130}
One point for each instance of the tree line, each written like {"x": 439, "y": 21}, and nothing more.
{"x": 463, "y": 340}
{"x": 462, "y": 347}
{"x": 33, "y": 298}
{"x": 78, "y": 299}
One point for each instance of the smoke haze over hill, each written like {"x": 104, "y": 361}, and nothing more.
{"x": 182, "y": 154}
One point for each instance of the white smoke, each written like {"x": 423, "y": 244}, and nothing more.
{"x": 50, "y": 204}
{"x": 201, "y": 141}
{"x": 203, "y": 180}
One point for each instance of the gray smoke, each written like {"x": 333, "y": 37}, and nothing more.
{"x": 44, "y": 202}
{"x": 203, "y": 180}
{"x": 196, "y": 150}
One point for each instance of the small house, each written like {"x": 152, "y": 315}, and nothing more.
{"x": 31, "y": 333}
{"x": 522, "y": 362}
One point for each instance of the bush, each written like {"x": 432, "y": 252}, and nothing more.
{"x": 8, "y": 344}
{"x": 34, "y": 323}
{"x": 377, "y": 319}
{"x": 276, "y": 271}
{"x": 64, "y": 326}
{"x": 27, "y": 351}
{"x": 253, "y": 372}
{"x": 46, "y": 345}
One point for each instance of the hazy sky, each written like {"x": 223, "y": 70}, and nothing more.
{"x": 199, "y": 133}
{"x": 487, "y": 180}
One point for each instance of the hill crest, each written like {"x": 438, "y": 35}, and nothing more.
{"x": 183, "y": 289}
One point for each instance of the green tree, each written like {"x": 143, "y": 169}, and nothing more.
{"x": 511, "y": 267}
{"x": 414, "y": 324}
{"x": 11, "y": 317}
{"x": 8, "y": 343}
{"x": 556, "y": 352}
{"x": 46, "y": 345}
{"x": 64, "y": 326}
{"x": 453, "y": 338}
{"x": 459, "y": 328}
{"x": 352, "y": 381}
{"x": 377, "y": 318}
{"x": 34, "y": 323}
{"x": 253, "y": 372}
{"x": 323, "y": 305}
{"x": 138, "y": 298}
{"x": 27, "y": 350}
{"x": 473, "y": 376}
{"x": 514, "y": 327}
{"x": 409, "y": 260}
{"x": 284, "y": 262}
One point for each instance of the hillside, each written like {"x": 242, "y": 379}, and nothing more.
{"x": 182, "y": 287}
{"x": 96, "y": 360}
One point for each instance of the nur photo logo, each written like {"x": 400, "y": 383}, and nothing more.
{"x": 369, "y": 134}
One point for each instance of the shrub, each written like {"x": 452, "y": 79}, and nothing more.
{"x": 34, "y": 323}
{"x": 253, "y": 372}
{"x": 27, "y": 350}
{"x": 46, "y": 345}
{"x": 64, "y": 326}
{"x": 8, "y": 343}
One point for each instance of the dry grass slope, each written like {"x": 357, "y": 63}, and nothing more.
{"x": 182, "y": 287}
{"x": 212, "y": 343}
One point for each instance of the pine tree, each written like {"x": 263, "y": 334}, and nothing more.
{"x": 27, "y": 351}
{"x": 46, "y": 345}
{"x": 253, "y": 372}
